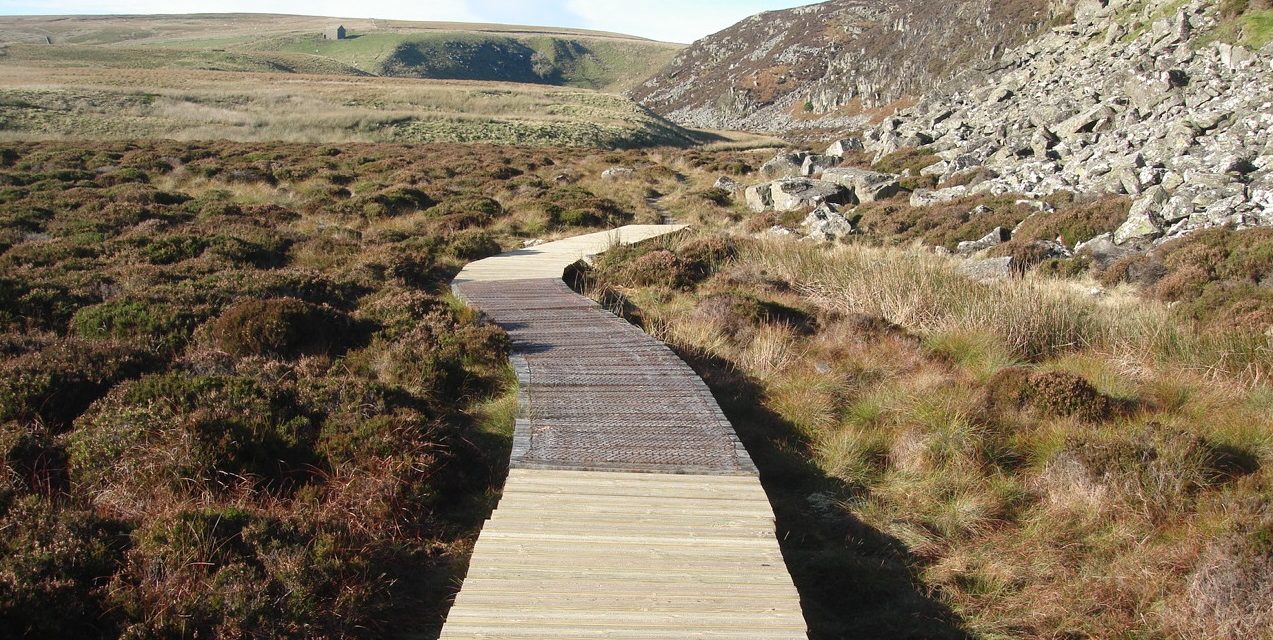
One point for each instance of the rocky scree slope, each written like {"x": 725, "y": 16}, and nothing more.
{"x": 822, "y": 65}
{"x": 1137, "y": 98}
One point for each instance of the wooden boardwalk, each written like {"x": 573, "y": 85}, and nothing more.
{"x": 631, "y": 510}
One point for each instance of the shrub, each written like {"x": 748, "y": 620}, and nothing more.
{"x": 739, "y": 315}
{"x": 907, "y": 160}
{"x": 160, "y": 324}
{"x": 58, "y": 383}
{"x": 179, "y": 435}
{"x": 235, "y": 573}
{"x": 284, "y": 327}
{"x": 463, "y": 213}
{"x": 1077, "y": 222}
{"x": 707, "y": 254}
{"x": 395, "y": 202}
{"x": 656, "y": 268}
{"x": 471, "y": 245}
{"x": 52, "y": 564}
{"x": 1053, "y": 393}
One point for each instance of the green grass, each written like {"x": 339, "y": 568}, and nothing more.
{"x": 79, "y": 102}
{"x": 580, "y": 59}
{"x": 1257, "y": 28}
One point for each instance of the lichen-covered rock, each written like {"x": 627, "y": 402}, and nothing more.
{"x": 784, "y": 165}
{"x": 826, "y": 224}
{"x": 800, "y": 193}
{"x": 1133, "y": 98}
{"x": 815, "y": 164}
{"x": 867, "y": 186}
{"x": 996, "y": 237}
{"x": 841, "y": 148}
{"x": 618, "y": 173}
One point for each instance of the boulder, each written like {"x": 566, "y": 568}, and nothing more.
{"x": 760, "y": 197}
{"x": 815, "y": 164}
{"x": 987, "y": 270}
{"x": 994, "y": 238}
{"x": 794, "y": 194}
{"x": 726, "y": 183}
{"x": 867, "y": 186}
{"x": 929, "y": 197}
{"x": 841, "y": 148}
{"x": 784, "y": 165}
{"x": 1085, "y": 122}
{"x": 936, "y": 169}
{"x": 1144, "y": 221}
{"x": 826, "y": 224}
{"x": 1102, "y": 249}
{"x": 618, "y": 173}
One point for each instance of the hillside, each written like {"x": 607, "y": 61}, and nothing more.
{"x": 432, "y": 50}
{"x": 266, "y": 77}
{"x": 77, "y": 103}
{"x": 826, "y": 65}
{"x": 1163, "y": 102}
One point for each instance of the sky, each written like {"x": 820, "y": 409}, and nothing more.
{"x": 670, "y": 20}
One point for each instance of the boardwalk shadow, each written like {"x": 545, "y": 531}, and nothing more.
{"x": 854, "y": 580}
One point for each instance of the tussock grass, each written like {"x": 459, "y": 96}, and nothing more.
{"x": 1014, "y": 459}
{"x": 1033, "y": 317}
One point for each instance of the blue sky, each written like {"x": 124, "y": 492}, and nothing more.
{"x": 671, "y": 20}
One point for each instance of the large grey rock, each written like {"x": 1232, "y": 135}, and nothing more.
{"x": 726, "y": 183}
{"x": 992, "y": 239}
{"x": 618, "y": 173}
{"x": 760, "y": 197}
{"x": 1087, "y": 121}
{"x": 1102, "y": 249}
{"x": 841, "y": 148}
{"x": 793, "y": 194}
{"x": 929, "y": 197}
{"x": 826, "y": 224}
{"x": 867, "y": 186}
{"x": 987, "y": 270}
{"x": 1144, "y": 221}
{"x": 814, "y": 165}
{"x": 783, "y": 165}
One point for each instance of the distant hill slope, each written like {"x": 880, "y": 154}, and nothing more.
{"x": 820, "y": 65}
{"x": 281, "y": 43}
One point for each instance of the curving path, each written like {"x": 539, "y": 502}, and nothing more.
{"x": 631, "y": 509}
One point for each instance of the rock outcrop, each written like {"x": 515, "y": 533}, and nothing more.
{"x": 822, "y": 66}
{"x": 794, "y": 194}
{"x": 1133, "y": 98}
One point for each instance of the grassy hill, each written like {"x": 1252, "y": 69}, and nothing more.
{"x": 451, "y": 51}
{"x": 77, "y": 103}
{"x": 201, "y": 77}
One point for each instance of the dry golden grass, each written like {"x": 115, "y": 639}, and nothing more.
{"x": 1128, "y": 499}
{"x": 78, "y": 103}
